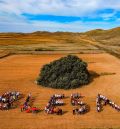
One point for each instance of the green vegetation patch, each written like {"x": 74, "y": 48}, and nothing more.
{"x": 66, "y": 73}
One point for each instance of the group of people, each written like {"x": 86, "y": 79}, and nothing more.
{"x": 76, "y": 95}
{"x": 81, "y": 110}
{"x": 55, "y": 100}
{"x": 8, "y": 98}
{"x": 27, "y": 106}
{"x": 101, "y": 100}
{"x": 75, "y": 101}
{"x": 59, "y": 96}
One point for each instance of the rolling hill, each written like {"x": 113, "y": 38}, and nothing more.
{"x": 94, "y": 41}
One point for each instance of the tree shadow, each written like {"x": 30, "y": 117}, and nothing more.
{"x": 106, "y": 73}
{"x": 93, "y": 75}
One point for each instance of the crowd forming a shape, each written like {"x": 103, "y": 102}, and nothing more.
{"x": 8, "y": 101}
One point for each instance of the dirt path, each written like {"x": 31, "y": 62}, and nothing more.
{"x": 103, "y": 47}
{"x": 18, "y": 72}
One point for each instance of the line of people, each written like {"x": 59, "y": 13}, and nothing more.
{"x": 59, "y": 96}
{"x": 55, "y": 100}
{"x": 101, "y": 98}
{"x": 75, "y": 101}
{"x": 8, "y": 98}
{"x": 27, "y": 106}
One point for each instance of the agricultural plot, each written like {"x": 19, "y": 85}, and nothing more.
{"x": 18, "y": 73}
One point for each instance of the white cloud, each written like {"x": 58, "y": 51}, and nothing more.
{"x": 57, "y": 7}
{"x": 11, "y": 11}
{"x": 23, "y": 26}
{"x": 107, "y": 16}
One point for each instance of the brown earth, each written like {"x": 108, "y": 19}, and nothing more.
{"x": 94, "y": 41}
{"x": 18, "y": 72}
{"x": 44, "y": 42}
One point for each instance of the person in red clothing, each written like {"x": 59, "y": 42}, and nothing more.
{"x": 28, "y": 110}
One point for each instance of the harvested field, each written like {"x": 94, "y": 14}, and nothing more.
{"x": 18, "y": 72}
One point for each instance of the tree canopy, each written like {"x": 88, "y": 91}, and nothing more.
{"x": 66, "y": 73}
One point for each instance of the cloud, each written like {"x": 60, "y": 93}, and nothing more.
{"x": 57, "y": 7}
{"x": 23, "y": 26}
{"x": 88, "y": 14}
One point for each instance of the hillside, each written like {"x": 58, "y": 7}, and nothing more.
{"x": 94, "y": 41}
{"x": 109, "y": 40}
{"x": 39, "y": 42}
{"x": 111, "y": 36}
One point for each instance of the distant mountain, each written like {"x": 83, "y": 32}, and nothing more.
{"x": 111, "y": 36}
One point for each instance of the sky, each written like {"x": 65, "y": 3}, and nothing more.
{"x": 58, "y": 15}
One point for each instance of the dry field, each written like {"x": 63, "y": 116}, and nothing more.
{"x": 94, "y": 41}
{"x": 43, "y": 42}
{"x": 18, "y": 72}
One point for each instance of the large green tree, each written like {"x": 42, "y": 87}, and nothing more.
{"x": 65, "y": 73}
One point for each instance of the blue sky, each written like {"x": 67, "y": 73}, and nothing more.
{"x": 58, "y": 15}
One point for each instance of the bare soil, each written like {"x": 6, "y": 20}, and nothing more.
{"x": 18, "y": 72}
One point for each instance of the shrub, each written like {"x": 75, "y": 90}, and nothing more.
{"x": 65, "y": 73}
